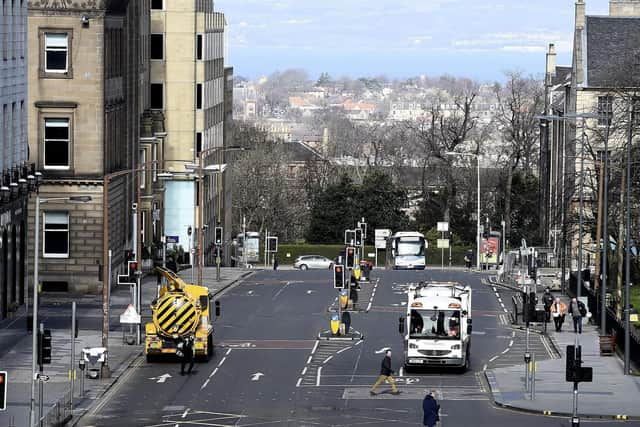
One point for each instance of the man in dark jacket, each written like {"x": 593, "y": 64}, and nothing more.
{"x": 187, "y": 355}
{"x": 385, "y": 375}
{"x": 547, "y": 300}
{"x": 431, "y": 410}
{"x": 578, "y": 311}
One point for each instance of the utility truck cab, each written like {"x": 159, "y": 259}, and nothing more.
{"x": 437, "y": 326}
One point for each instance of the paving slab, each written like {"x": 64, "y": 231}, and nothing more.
{"x": 611, "y": 394}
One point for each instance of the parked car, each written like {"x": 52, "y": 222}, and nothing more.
{"x": 306, "y": 262}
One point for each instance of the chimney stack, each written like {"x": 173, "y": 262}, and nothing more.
{"x": 551, "y": 63}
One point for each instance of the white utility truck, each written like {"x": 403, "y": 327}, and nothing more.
{"x": 437, "y": 326}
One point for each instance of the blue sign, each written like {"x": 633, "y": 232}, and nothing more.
{"x": 173, "y": 239}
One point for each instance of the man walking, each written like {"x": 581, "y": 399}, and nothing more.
{"x": 385, "y": 375}
{"x": 187, "y": 355}
{"x": 578, "y": 311}
{"x": 431, "y": 410}
{"x": 558, "y": 311}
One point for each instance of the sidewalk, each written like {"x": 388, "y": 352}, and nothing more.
{"x": 610, "y": 395}
{"x": 55, "y": 313}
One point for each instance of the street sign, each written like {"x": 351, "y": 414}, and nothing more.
{"x": 381, "y": 235}
{"x": 443, "y": 227}
{"x": 130, "y": 316}
{"x": 173, "y": 239}
{"x": 443, "y": 244}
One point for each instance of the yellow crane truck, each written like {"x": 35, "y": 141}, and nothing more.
{"x": 180, "y": 310}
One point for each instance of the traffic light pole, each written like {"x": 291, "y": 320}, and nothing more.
{"x": 41, "y": 383}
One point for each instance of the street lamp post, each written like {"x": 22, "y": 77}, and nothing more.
{"x": 478, "y": 236}
{"x": 218, "y": 169}
{"x": 36, "y": 254}
{"x": 627, "y": 273}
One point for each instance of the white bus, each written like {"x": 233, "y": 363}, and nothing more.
{"x": 407, "y": 250}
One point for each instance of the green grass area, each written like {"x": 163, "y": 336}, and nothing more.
{"x": 288, "y": 253}
{"x": 635, "y": 300}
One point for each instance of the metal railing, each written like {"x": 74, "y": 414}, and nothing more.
{"x": 58, "y": 414}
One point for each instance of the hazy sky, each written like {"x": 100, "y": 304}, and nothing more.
{"x": 399, "y": 38}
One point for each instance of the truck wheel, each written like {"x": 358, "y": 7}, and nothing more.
{"x": 467, "y": 364}
{"x": 150, "y": 358}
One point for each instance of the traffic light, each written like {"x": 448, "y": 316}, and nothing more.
{"x": 130, "y": 277}
{"x": 575, "y": 372}
{"x": 338, "y": 276}
{"x": 129, "y": 255}
{"x": 351, "y": 257}
{"x": 3, "y": 390}
{"x": 44, "y": 347}
{"x": 532, "y": 306}
{"x": 218, "y": 235}
{"x": 358, "y": 237}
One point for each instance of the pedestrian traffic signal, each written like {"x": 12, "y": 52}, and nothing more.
{"x": 3, "y": 390}
{"x": 44, "y": 347}
{"x": 129, "y": 255}
{"x": 338, "y": 276}
{"x": 218, "y": 235}
{"x": 130, "y": 277}
{"x": 575, "y": 372}
{"x": 351, "y": 257}
{"x": 358, "y": 237}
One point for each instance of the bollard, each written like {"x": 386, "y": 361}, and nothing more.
{"x": 527, "y": 359}
{"x": 82, "y": 375}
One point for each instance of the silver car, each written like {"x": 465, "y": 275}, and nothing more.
{"x": 306, "y": 262}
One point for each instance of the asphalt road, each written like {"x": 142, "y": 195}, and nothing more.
{"x": 269, "y": 369}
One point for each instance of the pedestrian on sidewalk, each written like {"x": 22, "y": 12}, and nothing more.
{"x": 468, "y": 257}
{"x": 185, "y": 347}
{"x": 431, "y": 409}
{"x": 275, "y": 263}
{"x": 578, "y": 311}
{"x": 558, "y": 311}
{"x": 385, "y": 375}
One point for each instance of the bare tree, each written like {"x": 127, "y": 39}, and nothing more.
{"x": 520, "y": 100}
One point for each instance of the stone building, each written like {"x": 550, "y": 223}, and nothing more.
{"x": 89, "y": 117}
{"x": 602, "y": 81}
{"x": 17, "y": 177}
{"x": 187, "y": 85}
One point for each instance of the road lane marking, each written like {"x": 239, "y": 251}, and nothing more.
{"x": 213, "y": 373}
{"x": 511, "y": 343}
{"x": 299, "y": 382}
{"x": 304, "y": 371}
{"x": 206, "y": 383}
{"x": 309, "y": 360}
{"x": 401, "y": 371}
{"x": 506, "y": 350}
{"x": 318, "y": 376}
{"x": 493, "y": 359}
{"x": 359, "y": 342}
{"x": 222, "y": 361}
{"x": 228, "y": 352}
{"x": 184, "y": 414}
{"x": 327, "y": 359}
{"x": 344, "y": 349}
{"x": 280, "y": 291}
{"x": 315, "y": 347}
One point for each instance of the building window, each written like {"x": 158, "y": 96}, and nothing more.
{"x": 605, "y": 110}
{"x": 636, "y": 111}
{"x": 143, "y": 172}
{"x": 56, "y": 144}
{"x": 198, "y": 142}
{"x": 199, "y": 47}
{"x": 154, "y": 158}
{"x": 198, "y": 96}
{"x": 157, "y": 5}
{"x": 157, "y": 96}
{"x": 56, "y": 52}
{"x": 157, "y": 46}
{"x": 56, "y": 235}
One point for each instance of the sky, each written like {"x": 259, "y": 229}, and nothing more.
{"x": 480, "y": 39}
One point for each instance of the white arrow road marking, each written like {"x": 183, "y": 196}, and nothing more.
{"x": 383, "y": 350}
{"x": 161, "y": 378}
{"x": 256, "y": 376}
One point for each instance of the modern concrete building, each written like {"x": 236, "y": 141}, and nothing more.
{"x": 16, "y": 175}
{"x": 187, "y": 85}
{"x": 89, "y": 117}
